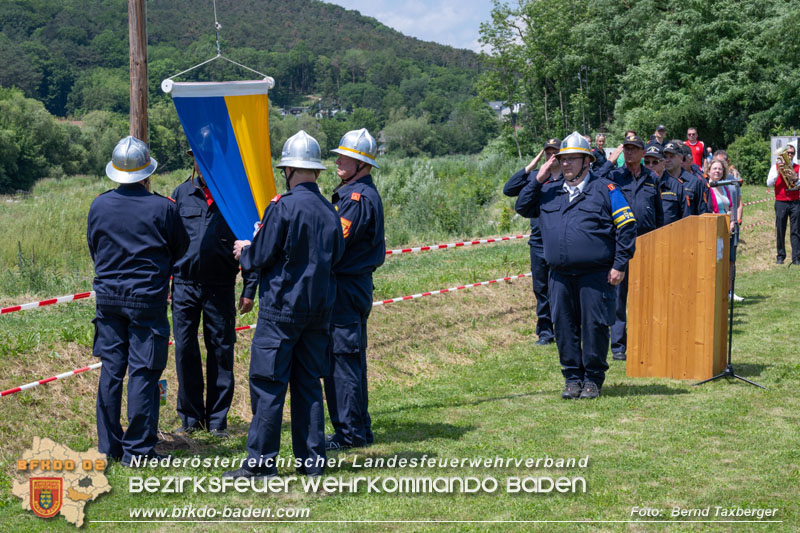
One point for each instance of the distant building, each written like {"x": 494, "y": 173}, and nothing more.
{"x": 329, "y": 113}
{"x": 294, "y": 111}
{"x": 502, "y": 110}
{"x": 497, "y": 106}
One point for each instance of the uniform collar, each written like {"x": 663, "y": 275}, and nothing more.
{"x": 570, "y": 188}
{"x": 306, "y": 185}
{"x": 196, "y": 187}
{"x": 133, "y": 189}
{"x": 338, "y": 192}
{"x": 366, "y": 180}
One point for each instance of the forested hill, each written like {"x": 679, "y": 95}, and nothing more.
{"x": 278, "y": 26}
{"x": 73, "y": 54}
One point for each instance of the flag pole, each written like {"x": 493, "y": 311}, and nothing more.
{"x": 137, "y": 32}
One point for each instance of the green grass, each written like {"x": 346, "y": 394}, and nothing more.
{"x": 457, "y": 376}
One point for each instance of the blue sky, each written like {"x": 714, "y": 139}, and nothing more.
{"x": 452, "y": 22}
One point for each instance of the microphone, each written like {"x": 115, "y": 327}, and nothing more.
{"x": 722, "y": 183}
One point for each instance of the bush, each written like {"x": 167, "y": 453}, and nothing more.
{"x": 33, "y": 142}
{"x": 750, "y": 154}
{"x": 100, "y": 133}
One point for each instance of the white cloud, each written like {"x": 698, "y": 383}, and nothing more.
{"x": 452, "y": 22}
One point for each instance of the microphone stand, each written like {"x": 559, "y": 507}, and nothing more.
{"x": 729, "y": 371}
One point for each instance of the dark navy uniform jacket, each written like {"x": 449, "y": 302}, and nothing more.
{"x": 360, "y": 209}
{"x": 643, "y": 196}
{"x": 600, "y": 158}
{"x": 654, "y": 140}
{"x": 209, "y": 259}
{"x": 512, "y": 188}
{"x": 595, "y": 232}
{"x": 295, "y": 249}
{"x": 696, "y": 192}
{"x": 673, "y": 199}
{"x": 135, "y": 237}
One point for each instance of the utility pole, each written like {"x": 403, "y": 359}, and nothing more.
{"x": 137, "y": 34}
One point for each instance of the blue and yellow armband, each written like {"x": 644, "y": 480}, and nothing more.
{"x": 620, "y": 210}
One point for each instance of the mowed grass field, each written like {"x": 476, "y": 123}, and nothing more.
{"x": 452, "y": 376}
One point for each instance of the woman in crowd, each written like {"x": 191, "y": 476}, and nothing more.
{"x": 725, "y": 200}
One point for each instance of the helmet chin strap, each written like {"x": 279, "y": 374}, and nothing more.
{"x": 288, "y": 176}
{"x": 359, "y": 167}
{"x": 579, "y": 174}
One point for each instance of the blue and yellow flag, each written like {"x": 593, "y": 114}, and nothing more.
{"x": 227, "y": 126}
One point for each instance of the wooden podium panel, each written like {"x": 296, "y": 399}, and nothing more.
{"x": 678, "y": 300}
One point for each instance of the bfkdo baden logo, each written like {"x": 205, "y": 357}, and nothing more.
{"x": 46, "y": 495}
{"x": 57, "y": 480}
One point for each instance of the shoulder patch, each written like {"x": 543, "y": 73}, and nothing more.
{"x": 611, "y": 187}
{"x": 276, "y": 198}
{"x": 356, "y": 196}
{"x": 346, "y": 227}
{"x": 171, "y": 199}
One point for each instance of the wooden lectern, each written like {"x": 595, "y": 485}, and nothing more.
{"x": 678, "y": 300}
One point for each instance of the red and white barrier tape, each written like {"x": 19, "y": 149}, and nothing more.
{"x": 757, "y": 224}
{"x": 454, "y": 244}
{"x": 240, "y": 328}
{"x": 78, "y": 371}
{"x": 51, "y": 301}
{"x": 253, "y": 326}
{"x": 83, "y": 295}
{"x": 757, "y": 202}
{"x": 453, "y": 289}
{"x": 48, "y": 380}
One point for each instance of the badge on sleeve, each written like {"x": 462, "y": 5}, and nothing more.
{"x": 356, "y": 196}
{"x": 620, "y": 210}
{"x": 276, "y": 198}
{"x": 346, "y": 227}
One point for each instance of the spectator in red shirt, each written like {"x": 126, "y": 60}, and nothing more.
{"x": 697, "y": 146}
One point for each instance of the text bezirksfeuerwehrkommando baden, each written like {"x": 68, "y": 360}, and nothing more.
{"x": 370, "y": 484}
{"x": 401, "y": 483}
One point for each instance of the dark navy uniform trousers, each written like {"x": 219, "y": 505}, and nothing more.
{"x": 583, "y": 309}
{"x": 136, "y": 341}
{"x": 541, "y": 274}
{"x": 346, "y": 386}
{"x": 288, "y": 355}
{"x": 216, "y": 303}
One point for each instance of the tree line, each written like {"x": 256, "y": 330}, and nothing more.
{"x": 727, "y": 68}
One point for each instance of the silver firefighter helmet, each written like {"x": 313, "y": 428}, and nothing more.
{"x": 575, "y": 143}
{"x": 130, "y": 161}
{"x": 360, "y": 145}
{"x": 301, "y": 150}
